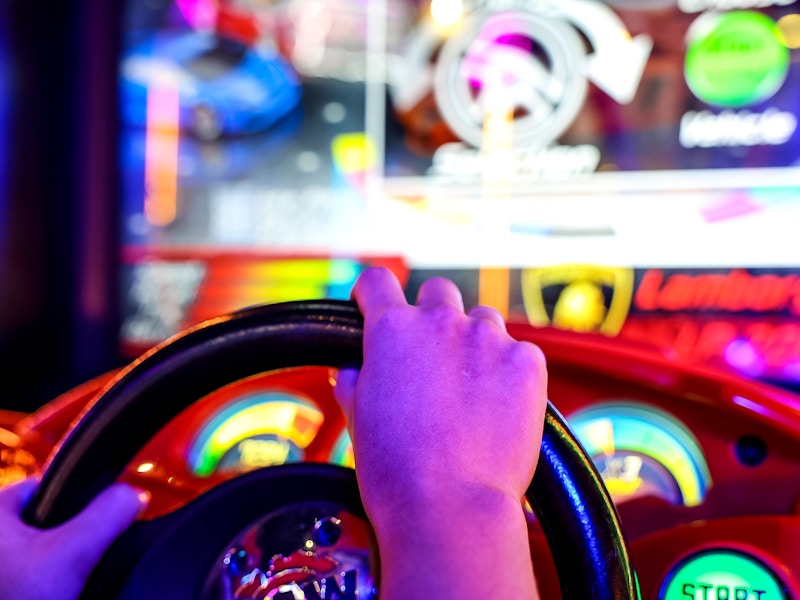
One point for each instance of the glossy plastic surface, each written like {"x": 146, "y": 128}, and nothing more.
{"x": 567, "y": 495}
{"x": 748, "y": 507}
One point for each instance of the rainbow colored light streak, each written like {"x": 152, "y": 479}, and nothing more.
{"x": 342, "y": 453}
{"x": 606, "y": 429}
{"x": 270, "y": 413}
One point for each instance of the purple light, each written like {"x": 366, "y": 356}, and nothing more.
{"x": 200, "y": 14}
{"x": 792, "y": 370}
{"x": 742, "y": 356}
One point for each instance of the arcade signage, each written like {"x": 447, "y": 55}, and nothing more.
{"x": 735, "y": 291}
{"x": 692, "y": 6}
{"x": 513, "y": 77}
{"x": 747, "y": 319}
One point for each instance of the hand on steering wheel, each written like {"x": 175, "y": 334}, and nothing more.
{"x": 171, "y": 556}
{"x": 42, "y": 564}
{"x": 446, "y": 418}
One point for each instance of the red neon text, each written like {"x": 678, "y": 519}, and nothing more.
{"x": 731, "y": 292}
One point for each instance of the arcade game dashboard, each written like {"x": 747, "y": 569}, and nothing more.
{"x": 621, "y": 180}
{"x": 628, "y": 168}
{"x": 702, "y": 466}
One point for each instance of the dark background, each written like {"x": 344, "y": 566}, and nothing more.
{"x": 57, "y": 229}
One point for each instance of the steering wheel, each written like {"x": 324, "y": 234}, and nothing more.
{"x": 170, "y": 556}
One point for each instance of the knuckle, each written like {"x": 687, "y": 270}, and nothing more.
{"x": 444, "y": 315}
{"x": 392, "y": 319}
{"x": 485, "y": 330}
{"x": 528, "y": 357}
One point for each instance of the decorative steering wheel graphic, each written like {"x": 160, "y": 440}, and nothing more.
{"x": 522, "y": 63}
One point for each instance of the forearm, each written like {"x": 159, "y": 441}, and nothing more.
{"x": 465, "y": 547}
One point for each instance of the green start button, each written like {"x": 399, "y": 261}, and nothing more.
{"x": 722, "y": 575}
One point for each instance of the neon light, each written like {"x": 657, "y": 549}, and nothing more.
{"x": 777, "y": 345}
{"x": 789, "y": 26}
{"x": 289, "y": 418}
{"x": 742, "y": 355}
{"x": 200, "y": 14}
{"x": 353, "y": 152}
{"x": 735, "y": 59}
{"x": 609, "y": 428}
{"x": 447, "y": 13}
{"x": 493, "y": 289}
{"x": 722, "y": 574}
{"x": 735, "y": 291}
{"x": 161, "y": 154}
{"x": 343, "y": 451}
{"x": 232, "y": 285}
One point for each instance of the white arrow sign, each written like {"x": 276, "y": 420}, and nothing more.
{"x": 618, "y": 61}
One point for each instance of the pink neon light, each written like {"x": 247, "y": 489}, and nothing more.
{"x": 161, "y": 155}
{"x": 200, "y": 14}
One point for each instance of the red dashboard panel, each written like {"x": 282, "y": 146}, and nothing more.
{"x": 704, "y": 466}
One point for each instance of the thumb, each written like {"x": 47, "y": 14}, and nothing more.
{"x": 93, "y": 530}
{"x": 14, "y": 497}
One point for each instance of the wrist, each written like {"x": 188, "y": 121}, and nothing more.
{"x": 468, "y": 543}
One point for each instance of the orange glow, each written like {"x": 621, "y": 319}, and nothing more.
{"x": 498, "y": 140}
{"x": 493, "y": 290}
{"x": 161, "y": 155}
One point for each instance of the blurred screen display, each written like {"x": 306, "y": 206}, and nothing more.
{"x": 629, "y": 168}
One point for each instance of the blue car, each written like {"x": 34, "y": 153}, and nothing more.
{"x": 211, "y": 86}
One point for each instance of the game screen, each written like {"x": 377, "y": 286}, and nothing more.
{"x": 629, "y": 168}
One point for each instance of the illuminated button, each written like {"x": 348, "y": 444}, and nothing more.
{"x": 327, "y": 531}
{"x": 722, "y": 575}
{"x": 735, "y": 59}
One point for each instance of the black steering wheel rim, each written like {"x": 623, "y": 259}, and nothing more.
{"x": 567, "y": 494}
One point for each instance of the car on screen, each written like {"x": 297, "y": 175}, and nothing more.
{"x": 207, "y": 85}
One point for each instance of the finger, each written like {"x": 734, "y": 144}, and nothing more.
{"x": 377, "y": 288}
{"x": 14, "y": 497}
{"x": 487, "y": 313}
{"x": 345, "y": 391}
{"x": 91, "y": 532}
{"x": 437, "y": 291}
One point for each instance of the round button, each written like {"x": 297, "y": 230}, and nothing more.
{"x": 725, "y": 574}
{"x": 735, "y": 59}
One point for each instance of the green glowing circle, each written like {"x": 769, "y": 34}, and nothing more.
{"x": 722, "y": 574}
{"x": 735, "y": 59}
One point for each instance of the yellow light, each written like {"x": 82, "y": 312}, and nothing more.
{"x": 353, "y": 152}
{"x": 447, "y": 13}
{"x": 145, "y": 467}
{"x": 278, "y": 418}
{"x": 263, "y": 453}
{"x": 789, "y": 26}
{"x": 600, "y": 435}
{"x": 8, "y": 438}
